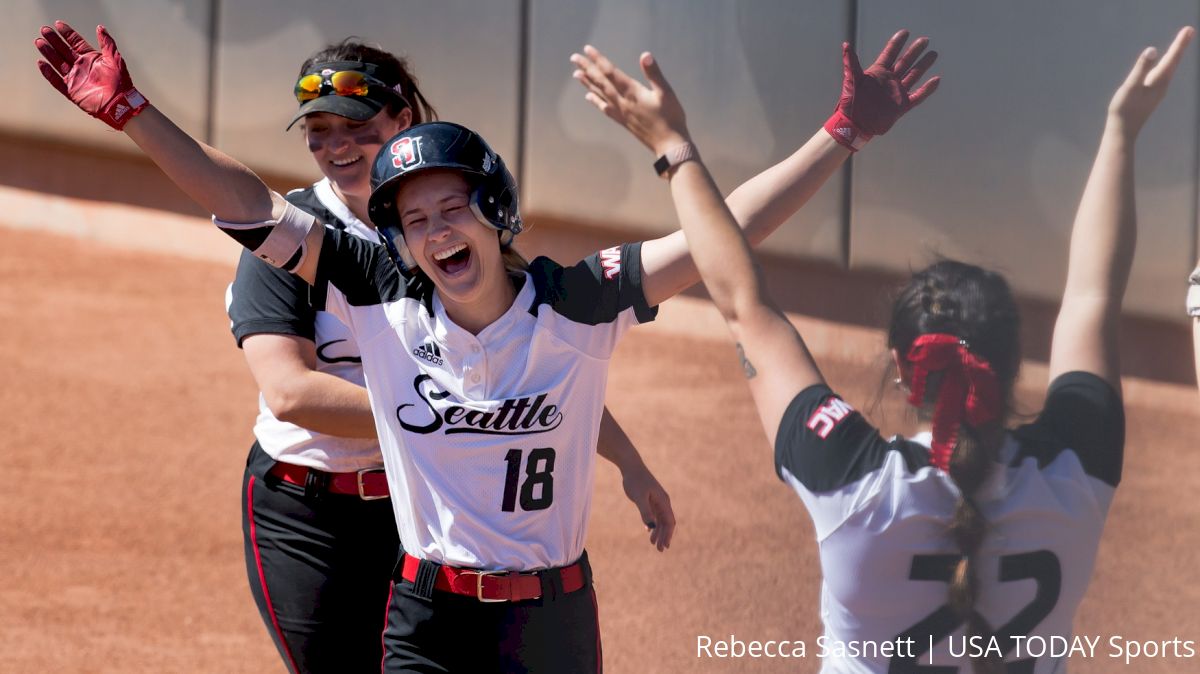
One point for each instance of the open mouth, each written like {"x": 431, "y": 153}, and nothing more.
{"x": 454, "y": 259}
{"x": 343, "y": 163}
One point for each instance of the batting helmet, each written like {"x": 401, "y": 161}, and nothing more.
{"x": 442, "y": 145}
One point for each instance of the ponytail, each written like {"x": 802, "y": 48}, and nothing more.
{"x": 970, "y": 468}
{"x": 956, "y": 325}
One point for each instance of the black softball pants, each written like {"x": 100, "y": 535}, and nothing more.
{"x": 441, "y": 632}
{"x": 320, "y": 569}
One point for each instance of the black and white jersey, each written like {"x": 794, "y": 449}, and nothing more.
{"x": 267, "y": 300}
{"x": 489, "y": 440}
{"x": 881, "y": 516}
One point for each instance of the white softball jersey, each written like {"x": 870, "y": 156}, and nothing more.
{"x": 267, "y": 300}
{"x": 881, "y": 516}
{"x": 489, "y": 440}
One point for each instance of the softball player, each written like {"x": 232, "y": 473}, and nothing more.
{"x": 320, "y": 536}
{"x": 967, "y": 533}
{"x": 486, "y": 373}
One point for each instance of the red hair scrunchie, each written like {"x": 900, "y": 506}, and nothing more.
{"x": 969, "y": 391}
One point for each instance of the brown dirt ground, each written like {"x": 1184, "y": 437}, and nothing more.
{"x": 127, "y": 412}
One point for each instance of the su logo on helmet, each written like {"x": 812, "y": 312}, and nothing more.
{"x": 406, "y": 153}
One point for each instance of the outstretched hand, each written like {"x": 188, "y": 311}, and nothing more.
{"x": 874, "y": 99}
{"x": 1146, "y": 85}
{"x": 96, "y": 81}
{"x": 651, "y": 111}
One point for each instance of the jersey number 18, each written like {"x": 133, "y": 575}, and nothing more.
{"x": 539, "y": 472}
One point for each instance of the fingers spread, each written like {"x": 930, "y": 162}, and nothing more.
{"x": 55, "y": 50}
{"x": 1141, "y": 67}
{"x": 1170, "y": 61}
{"x": 653, "y": 73}
{"x": 915, "y": 73}
{"x": 107, "y": 44}
{"x": 604, "y": 82}
{"x": 78, "y": 45}
{"x": 891, "y": 49}
{"x": 851, "y": 69}
{"x": 53, "y": 77}
{"x": 606, "y": 68}
{"x": 918, "y": 96}
{"x": 583, "y": 79}
{"x": 910, "y": 55}
{"x": 601, "y": 104}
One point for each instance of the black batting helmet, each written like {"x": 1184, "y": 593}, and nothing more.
{"x": 442, "y": 145}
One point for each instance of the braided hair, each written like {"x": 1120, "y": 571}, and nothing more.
{"x": 977, "y": 307}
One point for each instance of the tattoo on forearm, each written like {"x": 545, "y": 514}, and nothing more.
{"x": 746, "y": 366}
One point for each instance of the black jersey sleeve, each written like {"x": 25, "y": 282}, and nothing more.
{"x": 268, "y": 300}
{"x": 597, "y": 289}
{"x": 1084, "y": 414}
{"x": 826, "y": 444}
{"x": 361, "y": 270}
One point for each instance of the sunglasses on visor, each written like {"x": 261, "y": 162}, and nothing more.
{"x": 340, "y": 82}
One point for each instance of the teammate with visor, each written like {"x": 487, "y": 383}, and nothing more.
{"x": 486, "y": 373}
{"x": 320, "y": 536}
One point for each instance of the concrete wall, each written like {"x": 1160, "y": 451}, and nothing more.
{"x": 465, "y": 54}
{"x": 994, "y": 169}
{"x": 990, "y": 169}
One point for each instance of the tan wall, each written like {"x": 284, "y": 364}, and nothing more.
{"x": 994, "y": 169}
{"x": 166, "y": 43}
{"x": 991, "y": 169}
{"x": 465, "y": 54}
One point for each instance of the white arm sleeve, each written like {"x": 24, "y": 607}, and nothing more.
{"x": 275, "y": 241}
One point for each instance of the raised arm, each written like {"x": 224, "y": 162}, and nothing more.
{"x": 775, "y": 359}
{"x": 1105, "y": 231}
{"x": 870, "y": 103}
{"x": 99, "y": 83}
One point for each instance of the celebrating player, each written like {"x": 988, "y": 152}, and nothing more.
{"x": 968, "y": 529}
{"x": 320, "y": 536}
{"x": 486, "y": 372}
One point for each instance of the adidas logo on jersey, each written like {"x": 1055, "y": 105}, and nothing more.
{"x": 429, "y": 351}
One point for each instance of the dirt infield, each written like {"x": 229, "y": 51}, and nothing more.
{"x": 127, "y": 413}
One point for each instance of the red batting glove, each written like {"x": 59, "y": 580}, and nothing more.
{"x": 872, "y": 100}
{"x": 96, "y": 81}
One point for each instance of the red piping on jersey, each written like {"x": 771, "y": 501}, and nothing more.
{"x": 262, "y": 577}
{"x": 387, "y": 612}
{"x": 969, "y": 391}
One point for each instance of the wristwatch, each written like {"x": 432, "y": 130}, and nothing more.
{"x": 674, "y": 157}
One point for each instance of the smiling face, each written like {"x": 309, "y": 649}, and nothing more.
{"x": 456, "y": 251}
{"x": 344, "y": 148}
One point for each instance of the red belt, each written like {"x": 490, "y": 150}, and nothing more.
{"x": 368, "y": 484}
{"x": 496, "y": 586}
